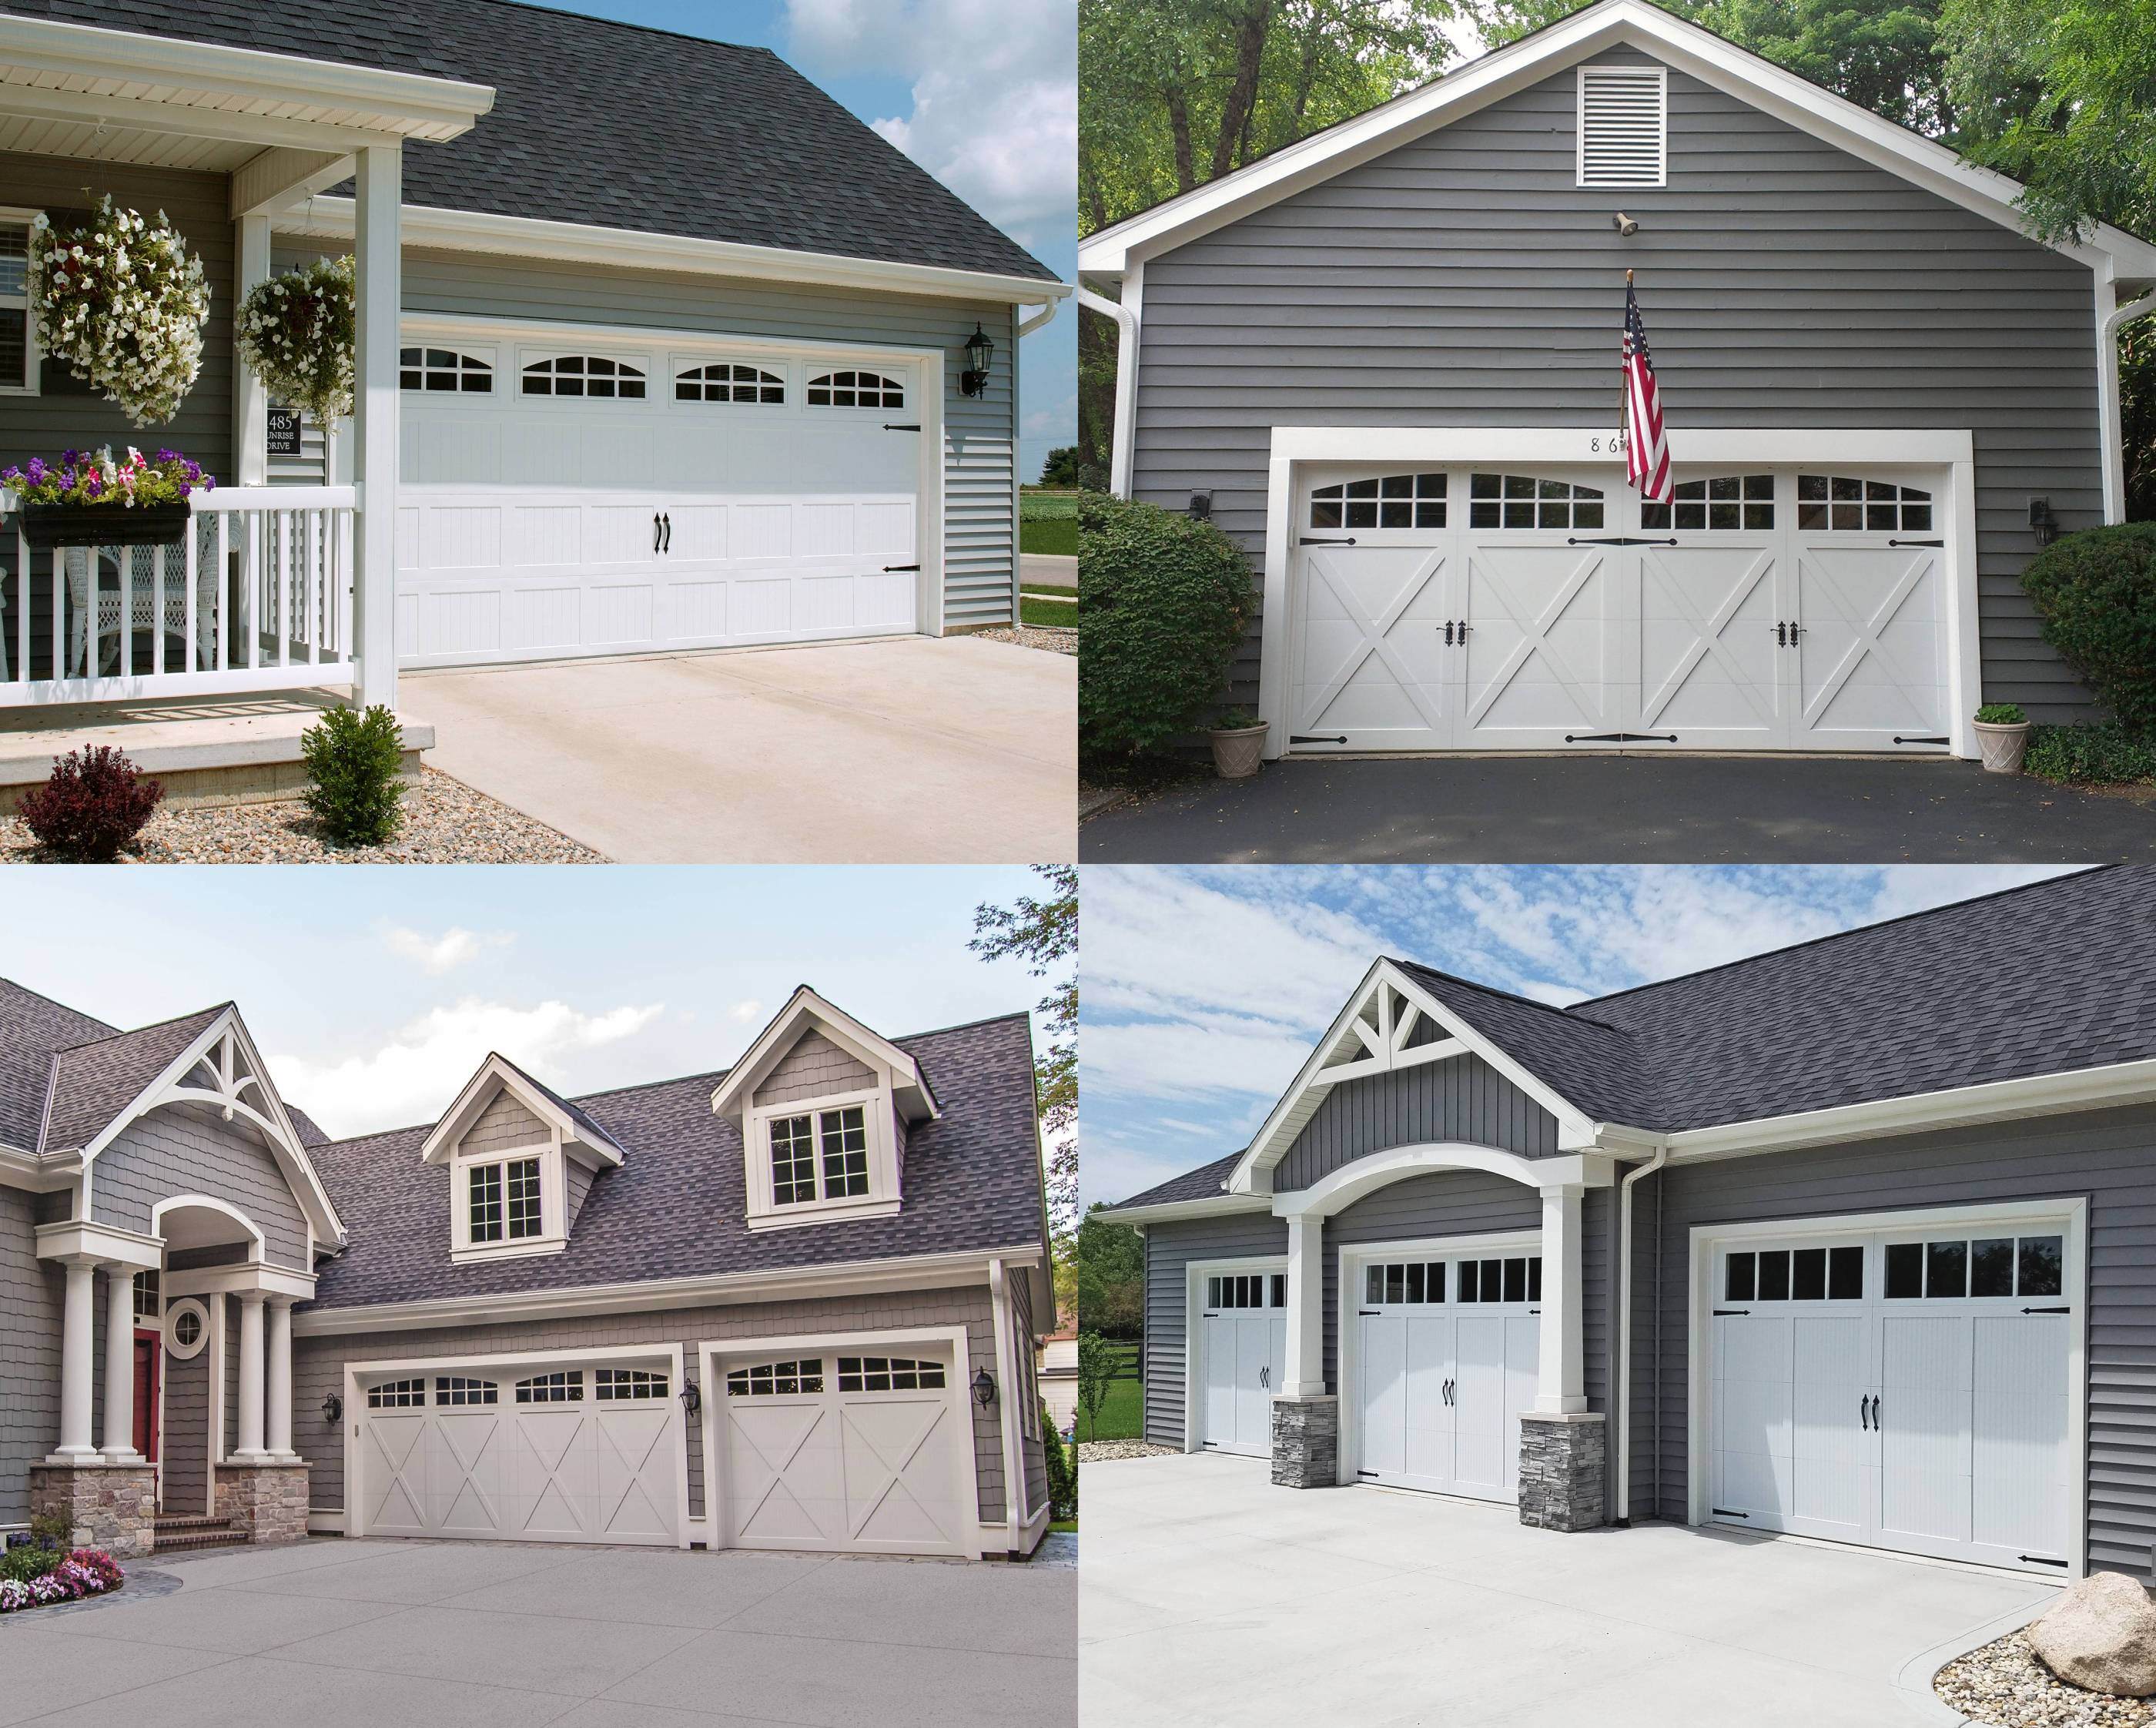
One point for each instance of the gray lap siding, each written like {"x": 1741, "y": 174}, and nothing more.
{"x": 1462, "y": 278}
{"x": 186, "y": 1149}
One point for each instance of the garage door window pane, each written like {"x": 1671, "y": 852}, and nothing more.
{"x": 1808, "y": 1275}
{"x": 775, "y": 1379}
{"x": 397, "y": 1394}
{"x": 889, "y": 1373}
{"x": 855, "y": 389}
{"x": 1946, "y": 1268}
{"x": 1991, "y": 1268}
{"x": 1839, "y": 502}
{"x": 1522, "y": 501}
{"x": 456, "y": 1389}
{"x": 584, "y": 375}
{"x": 613, "y": 1384}
{"x": 563, "y": 1387}
{"x": 444, "y": 371}
{"x": 726, "y": 382}
{"x": 1740, "y": 1277}
{"x": 1774, "y": 1275}
{"x": 1905, "y": 1270}
{"x": 846, "y": 1153}
{"x": 2042, "y": 1266}
{"x": 1844, "y": 1277}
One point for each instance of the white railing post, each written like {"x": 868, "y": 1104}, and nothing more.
{"x": 378, "y": 259}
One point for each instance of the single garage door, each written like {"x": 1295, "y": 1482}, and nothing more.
{"x": 1525, "y": 608}
{"x": 852, "y": 1451}
{"x": 1242, "y": 1357}
{"x": 587, "y": 1452}
{"x": 1902, "y": 1389}
{"x": 1446, "y": 1351}
{"x": 595, "y": 495}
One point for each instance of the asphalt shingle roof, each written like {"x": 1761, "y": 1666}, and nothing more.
{"x": 32, "y": 1028}
{"x": 612, "y": 124}
{"x": 94, "y": 1082}
{"x": 1199, "y": 1183}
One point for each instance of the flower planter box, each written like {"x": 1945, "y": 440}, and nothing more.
{"x": 2002, "y": 746}
{"x": 50, "y": 525}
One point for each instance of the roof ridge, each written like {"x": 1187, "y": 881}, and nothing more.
{"x": 136, "y": 1032}
{"x": 1571, "y": 1014}
{"x": 54, "y": 1002}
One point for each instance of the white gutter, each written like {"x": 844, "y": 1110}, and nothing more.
{"x": 1624, "y": 1332}
{"x": 1127, "y": 385}
{"x": 2112, "y": 430}
{"x": 1048, "y": 312}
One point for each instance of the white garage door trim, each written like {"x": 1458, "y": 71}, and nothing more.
{"x": 714, "y": 1353}
{"x": 1293, "y": 446}
{"x": 2068, "y": 1217}
{"x": 922, "y": 369}
{"x": 1194, "y": 1273}
{"x": 1356, "y": 1256}
{"x": 670, "y": 1357}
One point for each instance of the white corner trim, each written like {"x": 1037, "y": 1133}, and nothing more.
{"x": 2112, "y": 314}
{"x": 1009, "y": 1389}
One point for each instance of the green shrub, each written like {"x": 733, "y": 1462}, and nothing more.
{"x": 2001, "y": 713}
{"x": 1062, "y": 1469}
{"x": 356, "y": 763}
{"x": 2101, "y": 755}
{"x": 1235, "y": 720}
{"x": 1162, "y": 599}
{"x": 2096, "y": 593}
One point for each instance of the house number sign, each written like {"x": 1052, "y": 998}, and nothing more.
{"x": 283, "y": 431}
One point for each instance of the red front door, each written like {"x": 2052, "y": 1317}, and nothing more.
{"x": 149, "y": 1358}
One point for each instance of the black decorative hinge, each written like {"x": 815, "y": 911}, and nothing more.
{"x": 1724, "y": 1512}
{"x": 889, "y": 427}
{"x": 1720, "y": 1312}
{"x": 1927, "y": 542}
{"x": 2039, "y": 1559}
{"x": 2047, "y": 1310}
{"x": 1620, "y": 738}
{"x": 1616, "y": 540}
{"x": 1899, "y": 739}
{"x": 1299, "y": 738}
{"x": 888, "y": 568}
{"x": 1349, "y": 541}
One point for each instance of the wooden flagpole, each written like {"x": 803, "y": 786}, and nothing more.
{"x": 1624, "y": 382}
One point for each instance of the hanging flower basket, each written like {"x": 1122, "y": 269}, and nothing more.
{"x": 298, "y": 331}
{"x": 122, "y": 304}
{"x": 86, "y": 500}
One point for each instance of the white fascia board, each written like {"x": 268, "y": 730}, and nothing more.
{"x": 806, "y": 1006}
{"x": 854, "y": 1277}
{"x": 1911, "y": 448}
{"x": 40, "y": 1175}
{"x": 471, "y": 1104}
{"x": 1207, "y": 1206}
{"x": 1574, "y": 1128}
{"x": 626, "y": 249}
{"x": 1260, "y": 1153}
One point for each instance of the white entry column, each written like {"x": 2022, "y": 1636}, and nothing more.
{"x": 1560, "y": 1378}
{"x": 277, "y": 1393}
{"x": 377, "y": 260}
{"x": 78, "y": 1362}
{"x": 1305, "y": 1307}
{"x": 119, "y": 1448}
{"x": 249, "y": 1450}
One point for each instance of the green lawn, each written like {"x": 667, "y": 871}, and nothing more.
{"x": 1032, "y": 611}
{"x": 1122, "y": 1416}
{"x": 1048, "y": 523}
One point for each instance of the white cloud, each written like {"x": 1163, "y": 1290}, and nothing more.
{"x": 747, "y": 1011}
{"x": 412, "y": 1078}
{"x": 437, "y": 955}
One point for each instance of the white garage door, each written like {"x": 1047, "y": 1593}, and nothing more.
{"x": 1242, "y": 1357}
{"x": 1446, "y": 1351}
{"x": 581, "y": 1453}
{"x": 851, "y": 1451}
{"x": 602, "y": 496}
{"x": 1512, "y": 608}
{"x": 1904, "y": 1390}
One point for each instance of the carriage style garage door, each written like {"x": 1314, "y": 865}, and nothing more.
{"x": 580, "y": 1452}
{"x": 1445, "y": 1347}
{"x": 596, "y": 494}
{"x": 1905, "y": 1389}
{"x": 855, "y": 1450}
{"x": 1517, "y": 607}
{"x": 1242, "y": 1355}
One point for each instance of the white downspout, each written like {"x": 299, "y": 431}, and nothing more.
{"x": 1625, "y": 1332}
{"x": 1127, "y": 385}
{"x": 1048, "y": 312}
{"x": 2114, "y": 445}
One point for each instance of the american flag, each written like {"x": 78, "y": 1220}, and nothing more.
{"x": 1646, "y": 450}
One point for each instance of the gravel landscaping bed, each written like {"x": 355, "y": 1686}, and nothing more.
{"x": 1055, "y": 640}
{"x": 1108, "y": 1452}
{"x": 2007, "y": 1683}
{"x": 445, "y": 822}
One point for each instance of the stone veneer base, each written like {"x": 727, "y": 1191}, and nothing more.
{"x": 109, "y": 1506}
{"x": 1307, "y": 1441}
{"x": 1563, "y": 1462}
{"x": 269, "y": 1502}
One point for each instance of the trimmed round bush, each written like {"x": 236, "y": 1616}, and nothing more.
{"x": 1163, "y": 601}
{"x": 355, "y": 770}
{"x": 2095, "y": 593}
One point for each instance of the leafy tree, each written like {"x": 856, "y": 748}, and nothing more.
{"x": 1061, "y": 467}
{"x": 1110, "y": 1267}
{"x": 1097, "y": 1363}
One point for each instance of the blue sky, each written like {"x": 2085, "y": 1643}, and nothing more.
{"x": 981, "y": 93}
{"x": 375, "y": 993}
{"x": 1203, "y": 988}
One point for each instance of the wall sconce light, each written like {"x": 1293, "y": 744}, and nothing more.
{"x": 692, "y": 1400}
{"x": 2042, "y": 523}
{"x": 1201, "y": 506}
{"x": 332, "y": 1409}
{"x": 980, "y": 355}
{"x": 1625, "y": 225}
{"x": 984, "y": 1388}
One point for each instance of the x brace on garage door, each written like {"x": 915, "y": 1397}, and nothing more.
{"x": 1528, "y": 603}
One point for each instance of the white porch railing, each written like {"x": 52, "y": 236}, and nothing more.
{"x": 256, "y": 597}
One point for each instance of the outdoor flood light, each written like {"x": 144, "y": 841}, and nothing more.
{"x": 1624, "y": 224}
{"x": 984, "y": 1388}
{"x": 980, "y": 354}
{"x": 332, "y": 1408}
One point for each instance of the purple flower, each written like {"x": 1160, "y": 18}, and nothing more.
{"x": 11, "y": 475}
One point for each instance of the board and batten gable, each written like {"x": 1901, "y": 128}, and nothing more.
{"x": 1169, "y": 1249}
{"x": 187, "y": 1149}
{"x": 1463, "y": 278}
{"x": 1462, "y": 1099}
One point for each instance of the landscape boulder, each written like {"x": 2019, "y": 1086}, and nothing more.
{"x": 2101, "y": 1633}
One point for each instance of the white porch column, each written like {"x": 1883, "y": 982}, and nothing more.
{"x": 1560, "y": 1385}
{"x": 376, "y": 244}
{"x": 249, "y": 1450}
{"x": 1305, "y": 1307}
{"x": 250, "y": 401}
{"x": 278, "y": 1388}
{"x": 119, "y": 1448}
{"x": 78, "y": 1350}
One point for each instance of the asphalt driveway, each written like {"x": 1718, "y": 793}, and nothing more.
{"x": 1614, "y": 810}
{"x": 380, "y": 1634}
{"x": 905, "y": 750}
{"x": 1207, "y": 1595}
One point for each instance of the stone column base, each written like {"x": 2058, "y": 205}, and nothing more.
{"x": 109, "y": 1506}
{"x": 1563, "y": 1462}
{"x": 269, "y": 1502}
{"x": 1307, "y": 1441}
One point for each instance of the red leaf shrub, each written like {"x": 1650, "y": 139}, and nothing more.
{"x": 95, "y": 802}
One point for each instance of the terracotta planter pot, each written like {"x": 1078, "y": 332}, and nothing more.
{"x": 2002, "y": 746}
{"x": 47, "y": 525}
{"x": 1239, "y": 751}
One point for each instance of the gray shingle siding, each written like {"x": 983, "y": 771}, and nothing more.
{"x": 185, "y": 1149}
{"x": 1463, "y": 278}
{"x": 30, "y": 1296}
{"x": 815, "y": 1067}
{"x": 502, "y": 1124}
{"x": 1169, "y": 1250}
{"x": 1463, "y": 1098}
{"x": 186, "y": 1439}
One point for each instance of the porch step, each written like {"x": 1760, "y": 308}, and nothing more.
{"x": 178, "y": 1533}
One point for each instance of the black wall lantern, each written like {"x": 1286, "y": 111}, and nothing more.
{"x": 980, "y": 355}
{"x": 332, "y": 1409}
{"x": 692, "y": 1400}
{"x": 2041, "y": 522}
{"x": 984, "y": 1388}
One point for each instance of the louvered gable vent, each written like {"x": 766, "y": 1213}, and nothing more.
{"x": 1624, "y": 133}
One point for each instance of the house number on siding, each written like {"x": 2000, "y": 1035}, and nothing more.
{"x": 1616, "y": 443}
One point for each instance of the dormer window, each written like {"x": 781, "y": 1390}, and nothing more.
{"x": 506, "y": 1205}
{"x": 834, "y": 1142}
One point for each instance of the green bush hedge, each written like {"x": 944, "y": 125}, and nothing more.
{"x": 2096, "y": 593}
{"x": 1162, "y": 599}
{"x": 355, "y": 767}
{"x": 2106, "y": 755}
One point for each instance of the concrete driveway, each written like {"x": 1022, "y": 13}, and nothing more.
{"x": 377, "y": 1635}
{"x": 1207, "y": 1595}
{"x": 1620, "y": 810}
{"x": 906, "y": 750}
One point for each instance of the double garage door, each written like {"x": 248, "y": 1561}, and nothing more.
{"x": 1522, "y": 607}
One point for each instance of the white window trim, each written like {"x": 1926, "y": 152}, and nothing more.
{"x": 32, "y": 378}
{"x": 881, "y": 1201}
{"x": 1195, "y": 1274}
{"x": 644, "y": 362}
{"x": 1631, "y": 71}
{"x": 553, "y": 1203}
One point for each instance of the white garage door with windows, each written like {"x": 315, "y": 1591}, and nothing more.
{"x": 1913, "y": 1387}
{"x": 1512, "y": 603}
{"x": 1441, "y": 1361}
{"x": 590, "y": 491}
{"x": 553, "y": 1452}
{"x": 849, "y": 1448}
{"x": 1242, "y": 1355}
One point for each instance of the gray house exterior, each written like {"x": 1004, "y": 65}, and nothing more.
{"x": 1846, "y": 1241}
{"x": 1423, "y": 307}
{"x": 789, "y": 1304}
